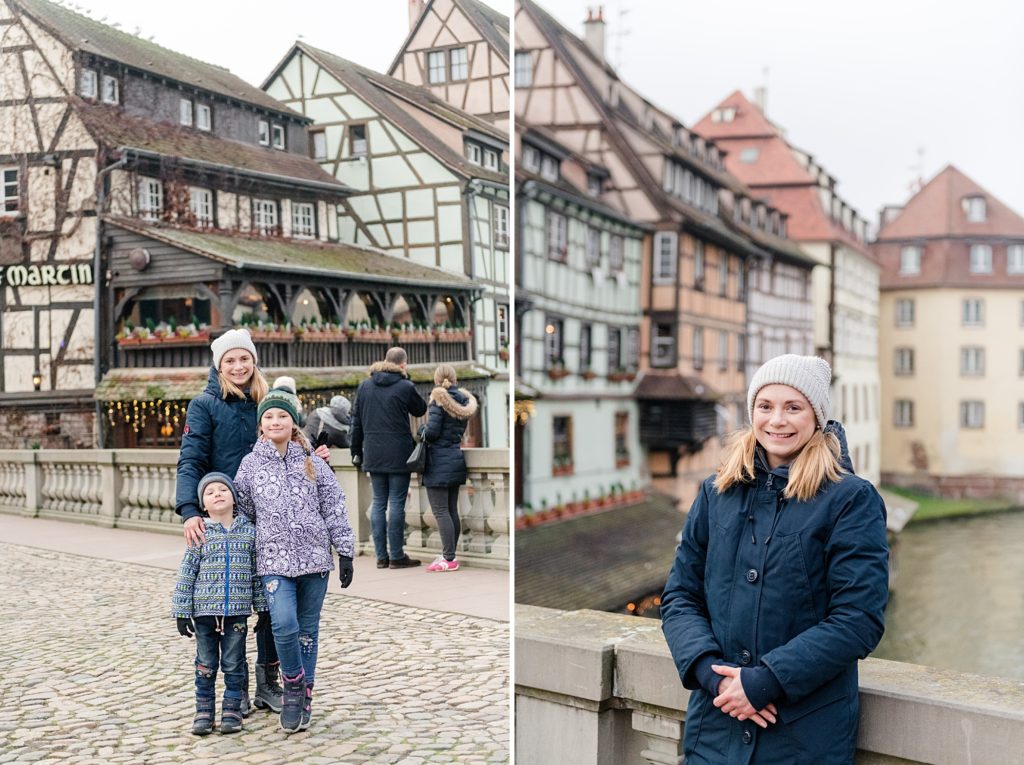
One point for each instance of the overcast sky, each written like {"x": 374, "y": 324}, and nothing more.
{"x": 861, "y": 86}
{"x": 250, "y": 37}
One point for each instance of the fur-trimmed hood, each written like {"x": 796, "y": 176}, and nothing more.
{"x": 380, "y": 373}
{"x": 446, "y": 401}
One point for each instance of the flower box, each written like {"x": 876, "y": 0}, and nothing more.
{"x": 503, "y": 354}
{"x": 557, "y": 373}
{"x": 588, "y": 374}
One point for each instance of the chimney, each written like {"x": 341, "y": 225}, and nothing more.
{"x": 593, "y": 31}
{"x": 415, "y": 10}
{"x": 760, "y": 98}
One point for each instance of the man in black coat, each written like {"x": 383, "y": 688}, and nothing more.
{"x": 381, "y": 443}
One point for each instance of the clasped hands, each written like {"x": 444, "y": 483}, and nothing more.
{"x": 732, "y": 699}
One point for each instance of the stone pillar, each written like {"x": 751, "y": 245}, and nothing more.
{"x": 33, "y": 486}
{"x": 111, "y": 484}
{"x": 664, "y": 738}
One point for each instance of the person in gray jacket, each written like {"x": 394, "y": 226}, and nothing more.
{"x": 331, "y": 425}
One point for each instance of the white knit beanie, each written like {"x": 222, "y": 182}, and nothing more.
{"x": 810, "y": 375}
{"x": 229, "y": 341}
{"x": 286, "y": 382}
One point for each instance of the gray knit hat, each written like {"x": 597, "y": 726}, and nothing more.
{"x": 229, "y": 341}
{"x": 810, "y": 375}
{"x": 223, "y": 478}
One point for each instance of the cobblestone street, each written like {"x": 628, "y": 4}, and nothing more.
{"x": 96, "y": 673}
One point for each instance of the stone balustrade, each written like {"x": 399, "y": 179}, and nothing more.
{"x": 594, "y": 688}
{"x": 134, "y": 489}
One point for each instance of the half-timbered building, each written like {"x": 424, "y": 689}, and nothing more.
{"x": 153, "y": 201}
{"x": 578, "y": 329}
{"x": 694, "y": 269}
{"x": 458, "y": 49}
{"x": 429, "y": 184}
{"x": 845, "y": 276}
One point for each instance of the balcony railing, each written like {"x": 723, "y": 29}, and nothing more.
{"x": 134, "y": 489}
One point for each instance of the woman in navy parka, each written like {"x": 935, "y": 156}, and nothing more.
{"x": 779, "y": 585}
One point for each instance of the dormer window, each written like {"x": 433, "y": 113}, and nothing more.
{"x": 110, "y": 93}
{"x": 490, "y": 159}
{"x": 531, "y": 159}
{"x": 594, "y": 184}
{"x": 474, "y": 152}
{"x": 981, "y": 259}
{"x": 87, "y": 83}
{"x": 910, "y": 260}
{"x": 975, "y": 209}
{"x": 185, "y": 112}
{"x": 151, "y": 198}
{"x": 549, "y": 167}
{"x": 749, "y": 156}
{"x": 263, "y": 132}
{"x": 204, "y": 117}
{"x": 725, "y": 114}
{"x": 277, "y": 136}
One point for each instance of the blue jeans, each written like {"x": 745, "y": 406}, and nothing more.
{"x": 226, "y": 650}
{"x": 295, "y": 604}
{"x": 388, "y": 528}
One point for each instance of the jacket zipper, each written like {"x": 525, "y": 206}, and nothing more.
{"x": 227, "y": 572}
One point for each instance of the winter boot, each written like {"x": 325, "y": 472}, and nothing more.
{"x": 206, "y": 710}
{"x": 307, "y": 708}
{"x": 231, "y": 715}
{"x": 268, "y": 692}
{"x": 246, "y": 703}
{"x": 294, "y": 698}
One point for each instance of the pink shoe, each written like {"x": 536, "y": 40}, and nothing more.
{"x": 440, "y": 564}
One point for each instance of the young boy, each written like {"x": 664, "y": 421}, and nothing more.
{"x": 217, "y": 589}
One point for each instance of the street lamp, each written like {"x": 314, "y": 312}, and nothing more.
{"x": 37, "y": 380}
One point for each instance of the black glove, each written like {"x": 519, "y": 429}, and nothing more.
{"x": 357, "y": 459}
{"x": 185, "y": 627}
{"x": 345, "y": 570}
{"x": 262, "y": 621}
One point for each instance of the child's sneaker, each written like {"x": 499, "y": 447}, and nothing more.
{"x": 231, "y": 715}
{"x": 206, "y": 708}
{"x": 440, "y": 564}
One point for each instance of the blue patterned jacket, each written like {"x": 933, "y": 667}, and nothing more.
{"x": 219, "y": 578}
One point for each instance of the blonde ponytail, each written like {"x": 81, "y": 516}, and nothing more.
{"x": 300, "y": 438}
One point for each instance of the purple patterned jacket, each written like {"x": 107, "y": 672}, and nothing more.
{"x": 297, "y": 520}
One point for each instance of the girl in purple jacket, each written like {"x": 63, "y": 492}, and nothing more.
{"x": 299, "y": 510}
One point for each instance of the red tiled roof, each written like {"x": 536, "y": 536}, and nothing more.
{"x": 112, "y": 128}
{"x": 749, "y": 121}
{"x": 936, "y": 211}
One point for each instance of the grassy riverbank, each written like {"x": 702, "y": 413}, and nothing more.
{"x": 930, "y": 508}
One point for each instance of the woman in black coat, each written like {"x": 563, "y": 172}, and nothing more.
{"x": 779, "y": 585}
{"x": 449, "y": 411}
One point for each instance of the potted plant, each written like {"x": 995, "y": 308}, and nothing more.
{"x": 587, "y": 373}
{"x": 557, "y": 370}
{"x": 503, "y": 352}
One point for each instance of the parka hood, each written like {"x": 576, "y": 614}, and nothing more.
{"x": 443, "y": 398}
{"x": 213, "y": 382}
{"x": 386, "y": 373}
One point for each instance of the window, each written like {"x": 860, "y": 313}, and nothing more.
{"x": 524, "y": 69}
{"x": 264, "y": 213}
{"x": 621, "y": 439}
{"x": 557, "y": 237}
{"x": 903, "y": 413}
{"x": 87, "y": 83}
{"x": 201, "y": 203}
{"x": 698, "y": 347}
{"x": 663, "y": 344}
{"x": 277, "y": 136}
{"x": 972, "y": 361}
{"x": 981, "y": 259}
{"x": 561, "y": 445}
{"x": 725, "y": 114}
{"x": 904, "y": 361}
{"x": 435, "y": 66}
{"x": 549, "y": 167}
{"x": 741, "y": 355}
{"x": 616, "y": 255}
{"x": 531, "y": 159}
{"x": 319, "y": 139}
{"x": 1015, "y": 259}
{"x": 633, "y": 350}
{"x": 460, "y": 64}
{"x": 357, "y": 143}
{"x": 502, "y": 324}
{"x": 303, "y": 220}
{"x": 723, "y": 350}
{"x": 473, "y": 152}
{"x": 501, "y": 227}
{"x": 586, "y": 346}
{"x": 151, "y": 198}
{"x": 11, "y": 190}
{"x": 665, "y": 244}
{"x": 263, "y": 132}
{"x": 972, "y": 414}
{"x": 698, "y": 264}
{"x": 490, "y": 160}
{"x": 741, "y": 283}
{"x": 905, "y": 312}
{"x": 110, "y": 90}
{"x": 592, "y": 248}
{"x": 974, "y": 312}
{"x": 185, "y": 112}
{"x": 553, "y": 329}
{"x": 204, "y": 117}
{"x": 594, "y": 184}
{"x": 615, "y": 350}
{"x": 749, "y": 156}
{"x": 974, "y": 207}
{"x": 723, "y": 274}
{"x": 910, "y": 260}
